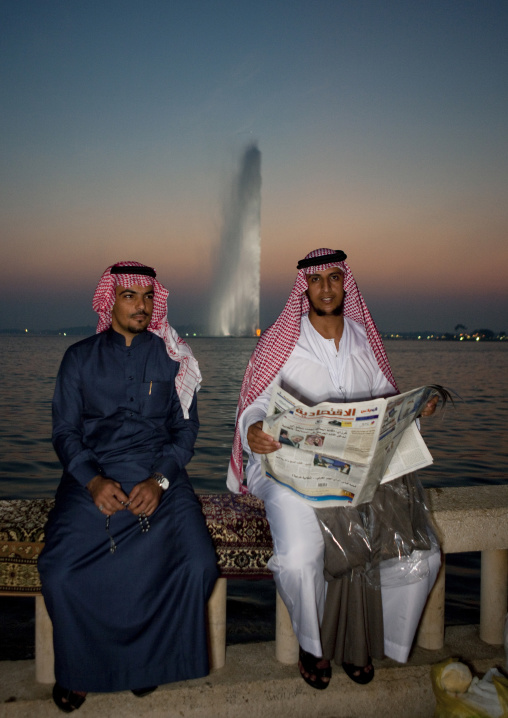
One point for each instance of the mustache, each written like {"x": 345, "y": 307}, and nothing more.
{"x": 336, "y": 312}
{"x": 139, "y": 314}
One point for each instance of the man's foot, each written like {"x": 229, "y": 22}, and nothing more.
{"x": 67, "y": 700}
{"x": 141, "y": 692}
{"x": 315, "y": 671}
{"x": 359, "y": 674}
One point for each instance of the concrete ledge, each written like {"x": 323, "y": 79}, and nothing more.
{"x": 473, "y": 518}
{"x": 254, "y": 682}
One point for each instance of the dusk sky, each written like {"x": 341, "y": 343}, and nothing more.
{"x": 383, "y": 129}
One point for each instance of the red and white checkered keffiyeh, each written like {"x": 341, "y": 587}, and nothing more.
{"x": 188, "y": 378}
{"x": 278, "y": 341}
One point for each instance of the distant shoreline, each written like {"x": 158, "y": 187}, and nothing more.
{"x": 484, "y": 335}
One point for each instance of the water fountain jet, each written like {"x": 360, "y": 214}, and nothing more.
{"x": 235, "y": 295}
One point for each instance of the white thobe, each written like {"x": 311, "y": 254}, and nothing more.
{"x": 316, "y": 371}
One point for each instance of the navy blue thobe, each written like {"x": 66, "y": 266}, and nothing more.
{"x": 136, "y": 616}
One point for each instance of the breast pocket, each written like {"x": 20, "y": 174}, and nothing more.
{"x": 155, "y": 398}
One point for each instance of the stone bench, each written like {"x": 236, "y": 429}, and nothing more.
{"x": 239, "y": 531}
{"x": 466, "y": 518}
{"x": 472, "y": 518}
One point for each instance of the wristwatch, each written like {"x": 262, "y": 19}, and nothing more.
{"x": 161, "y": 480}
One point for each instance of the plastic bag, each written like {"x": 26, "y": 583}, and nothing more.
{"x": 393, "y": 532}
{"x": 485, "y": 698}
{"x": 405, "y": 570}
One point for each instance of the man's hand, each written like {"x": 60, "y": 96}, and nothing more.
{"x": 430, "y": 407}
{"x": 145, "y": 497}
{"x": 107, "y": 495}
{"x": 259, "y": 441}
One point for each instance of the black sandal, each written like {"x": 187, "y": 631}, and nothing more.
{"x": 308, "y": 664}
{"x": 66, "y": 700}
{"x": 363, "y": 676}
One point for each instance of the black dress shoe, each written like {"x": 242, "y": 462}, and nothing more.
{"x": 142, "y": 692}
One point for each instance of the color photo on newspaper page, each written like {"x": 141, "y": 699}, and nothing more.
{"x": 337, "y": 454}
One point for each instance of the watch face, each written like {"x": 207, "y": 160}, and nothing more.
{"x": 163, "y": 483}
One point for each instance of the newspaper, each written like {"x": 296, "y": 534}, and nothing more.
{"x": 337, "y": 454}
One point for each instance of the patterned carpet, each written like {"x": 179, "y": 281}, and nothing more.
{"x": 237, "y": 525}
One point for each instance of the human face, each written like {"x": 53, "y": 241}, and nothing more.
{"x": 132, "y": 310}
{"x": 326, "y": 291}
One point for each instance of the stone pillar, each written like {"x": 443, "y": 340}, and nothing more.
{"x": 44, "y": 656}
{"x": 431, "y": 631}
{"x": 286, "y": 643}
{"x": 217, "y": 624}
{"x": 494, "y": 576}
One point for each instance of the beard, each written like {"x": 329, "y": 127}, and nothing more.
{"x": 334, "y": 313}
{"x": 137, "y": 329}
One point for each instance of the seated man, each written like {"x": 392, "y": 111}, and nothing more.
{"x": 325, "y": 347}
{"x": 128, "y": 564}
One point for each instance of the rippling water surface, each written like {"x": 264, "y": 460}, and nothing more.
{"x": 468, "y": 441}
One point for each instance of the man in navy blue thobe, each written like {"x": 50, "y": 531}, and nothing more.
{"x": 128, "y": 564}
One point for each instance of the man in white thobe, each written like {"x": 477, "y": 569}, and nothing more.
{"x": 323, "y": 347}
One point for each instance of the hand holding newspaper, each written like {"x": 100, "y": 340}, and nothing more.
{"x": 337, "y": 454}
